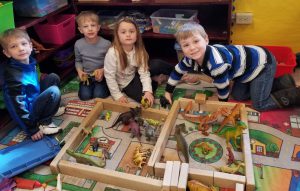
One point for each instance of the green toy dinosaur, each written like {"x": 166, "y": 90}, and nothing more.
{"x": 85, "y": 159}
{"x": 229, "y": 169}
{"x": 181, "y": 143}
{"x": 233, "y": 133}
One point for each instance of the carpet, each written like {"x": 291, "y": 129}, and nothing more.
{"x": 275, "y": 141}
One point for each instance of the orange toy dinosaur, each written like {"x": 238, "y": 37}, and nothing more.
{"x": 204, "y": 121}
{"x": 232, "y": 117}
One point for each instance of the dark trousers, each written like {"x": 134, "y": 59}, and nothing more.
{"x": 134, "y": 89}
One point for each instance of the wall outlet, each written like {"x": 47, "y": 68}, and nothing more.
{"x": 243, "y": 18}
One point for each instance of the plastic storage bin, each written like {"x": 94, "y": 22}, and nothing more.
{"x": 167, "y": 21}
{"x": 108, "y": 18}
{"x": 57, "y": 29}
{"x": 286, "y": 59}
{"x": 37, "y": 8}
{"x": 6, "y": 13}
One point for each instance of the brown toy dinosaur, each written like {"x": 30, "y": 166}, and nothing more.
{"x": 181, "y": 143}
{"x": 125, "y": 117}
{"x": 38, "y": 46}
{"x": 195, "y": 185}
{"x": 232, "y": 117}
{"x": 205, "y": 147}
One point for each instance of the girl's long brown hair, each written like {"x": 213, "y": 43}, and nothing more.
{"x": 141, "y": 54}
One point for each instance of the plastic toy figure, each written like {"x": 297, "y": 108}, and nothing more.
{"x": 125, "y": 117}
{"x": 145, "y": 103}
{"x": 86, "y": 159}
{"x": 181, "y": 144}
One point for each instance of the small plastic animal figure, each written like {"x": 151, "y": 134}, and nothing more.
{"x": 181, "y": 144}
{"x": 86, "y": 159}
{"x": 232, "y": 117}
{"x": 125, "y": 117}
{"x": 229, "y": 169}
{"x": 234, "y": 133}
{"x": 163, "y": 102}
{"x": 139, "y": 157}
{"x": 195, "y": 185}
{"x": 145, "y": 103}
{"x": 230, "y": 156}
{"x": 205, "y": 148}
{"x": 134, "y": 129}
{"x": 149, "y": 131}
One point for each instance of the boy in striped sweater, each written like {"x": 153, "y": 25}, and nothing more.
{"x": 251, "y": 68}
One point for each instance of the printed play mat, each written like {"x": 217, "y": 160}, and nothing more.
{"x": 274, "y": 138}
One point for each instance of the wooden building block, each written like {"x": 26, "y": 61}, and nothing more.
{"x": 226, "y": 180}
{"x": 175, "y": 175}
{"x": 166, "y": 185}
{"x": 159, "y": 169}
{"x": 204, "y": 176}
{"x": 250, "y": 180}
{"x": 239, "y": 187}
{"x": 107, "y": 176}
{"x": 183, "y": 177}
{"x": 200, "y": 98}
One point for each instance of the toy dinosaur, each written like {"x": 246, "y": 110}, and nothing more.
{"x": 145, "y": 103}
{"x": 195, "y": 185}
{"x": 139, "y": 157}
{"x": 229, "y": 169}
{"x": 205, "y": 148}
{"x": 38, "y": 46}
{"x": 181, "y": 143}
{"x": 153, "y": 122}
{"x": 163, "y": 101}
{"x": 134, "y": 129}
{"x": 234, "y": 133}
{"x": 232, "y": 117}
{"x": 149, "y": 131}
{"x": 230, "y": 155}
{"x": 125, "y": 117}
{"x": 86, "y": 159}
{"x": 204, "y": 121}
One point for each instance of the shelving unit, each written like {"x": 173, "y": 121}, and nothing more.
{"x": 213, "y": 15}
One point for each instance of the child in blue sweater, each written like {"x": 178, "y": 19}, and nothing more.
{"x": 31, "y": 103}
{"x": 251, "y": 68}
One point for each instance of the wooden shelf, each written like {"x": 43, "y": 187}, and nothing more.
{"x": 26, "y": 22}
{"x": 214, "y": 33}
{"x": 128, "y": 3}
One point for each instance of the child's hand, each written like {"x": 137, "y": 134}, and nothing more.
{"x": 168, "y": 96}
{"x": 99, "y": 74}
{"x": 37, "y": 136}
{"x": 81, "y": 75}
{"x": 149, "y": 97}
{"x": 123, "y": 99}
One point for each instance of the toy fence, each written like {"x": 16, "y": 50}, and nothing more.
{"x": 175, "y": 175}
{"x": 205, "y": 176}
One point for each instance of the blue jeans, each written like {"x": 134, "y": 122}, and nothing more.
{"x": 95, "y": 89}
{"x": 259, "y": 89}
{"x": 47, "y": 103}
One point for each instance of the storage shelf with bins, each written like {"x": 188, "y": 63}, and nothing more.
{"x": 29, "y": 22}
{"x": 213, "y": 15}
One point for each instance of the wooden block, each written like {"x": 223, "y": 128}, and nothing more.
{"x": 200, "y": 98}
{"x": 204, "y": 176}
{"x": 239, "y": 187}
{"x": 166, "y": 185}
{"x": 250, "y": 180}
{"x": 183, "y": 177}
{"x": 164, "y": 134}
{"x": 226, "y": 180}
{"x": 107, "y": 176}
{"x": 159, "y": 169}
{"x": 175, "y": 175}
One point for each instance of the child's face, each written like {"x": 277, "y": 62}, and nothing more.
{"x": 19, "y": 48}
{"x": 89, "y": 29}
{"x": 127, "y": 34}
{"x": 194, "y": 46}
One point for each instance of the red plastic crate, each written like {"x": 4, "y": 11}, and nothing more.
{"x": 286, "y": 59}
{"x": 57, "y": 29}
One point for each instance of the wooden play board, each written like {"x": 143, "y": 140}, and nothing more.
{"x": 199, "y": 167}
{"x": 158, "y": 174}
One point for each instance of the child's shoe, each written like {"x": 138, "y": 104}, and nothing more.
{"x": 60, "y": 111}
{"x": 50, "y": 129}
